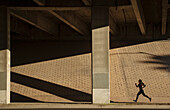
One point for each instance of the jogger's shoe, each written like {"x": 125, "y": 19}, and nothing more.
{"x": 135, "y": 100}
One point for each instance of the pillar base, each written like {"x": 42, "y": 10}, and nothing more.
{"x": 101, "y": 96}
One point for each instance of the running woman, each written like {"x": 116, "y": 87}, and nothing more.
{"x": 141, "y": 85}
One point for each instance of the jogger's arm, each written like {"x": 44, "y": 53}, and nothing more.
{"x": 143, "y": 85}
{"x": 136, "y": 84}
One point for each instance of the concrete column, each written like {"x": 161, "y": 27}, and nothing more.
{"x": 100, "y": 55}
{"x": 4, "y": 56}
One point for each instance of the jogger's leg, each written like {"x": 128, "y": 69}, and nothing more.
{"x": 138, "y": 95}
{"x": 146, "y": 95}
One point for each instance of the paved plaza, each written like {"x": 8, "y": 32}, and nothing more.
{"x": 55, "y": 106}
{"x": 69, "y": 79}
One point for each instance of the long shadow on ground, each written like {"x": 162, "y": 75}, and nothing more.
{"x": 58, "y": 90}
{"x": 15, "y": 97}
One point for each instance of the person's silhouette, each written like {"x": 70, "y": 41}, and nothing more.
{"x": 141, "y": 85}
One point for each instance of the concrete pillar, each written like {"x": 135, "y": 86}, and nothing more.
{"x": 100, "y": 55}
{"x": 4, "y": 56}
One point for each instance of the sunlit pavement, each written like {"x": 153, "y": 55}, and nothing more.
{"x": 54, "y": 106}
{"x": 57, "y": 80}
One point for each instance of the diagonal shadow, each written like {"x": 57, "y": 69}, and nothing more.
{"x": 15, "y": 97}
{"x": 163, "y": 60}
{"x": 158, "y": 59}
{"x": 58, "y": 90}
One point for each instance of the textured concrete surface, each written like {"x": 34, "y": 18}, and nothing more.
{"x": 54, "y": 106}
{"x": 4, "y": 55}
{"x": 100, "y": 54}
{"x": 69, "y": 79}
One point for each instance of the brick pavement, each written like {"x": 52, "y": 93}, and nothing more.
{"x": 149, "y": 62}
{"x": 72, "y": 75}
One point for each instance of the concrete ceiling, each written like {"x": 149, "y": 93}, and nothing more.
{"x": 77, "y": 21}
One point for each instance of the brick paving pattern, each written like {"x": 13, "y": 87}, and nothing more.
{"x": 149, "y": 62}
{"x": 72, "y": 75}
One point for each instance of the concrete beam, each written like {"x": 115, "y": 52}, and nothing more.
{"x": 164, "y": 15}
{"x": 112, "y": 25}
{"x": 19, "y": 27}
{"x": 37, "y": 8}
{"x": 4, "y": 56}
{"x": 40, "y": 2}
{"x": 121, "y": 7}
{"x": 47, "y": 8}
{"x": 100, "y": 55}
{"x": 38, "y": 20}
{"x": 87, "y": 2}
{"x": 25, "y": 32}
{"x": 71, "y": 19}
{"x": 136, "y": 4}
